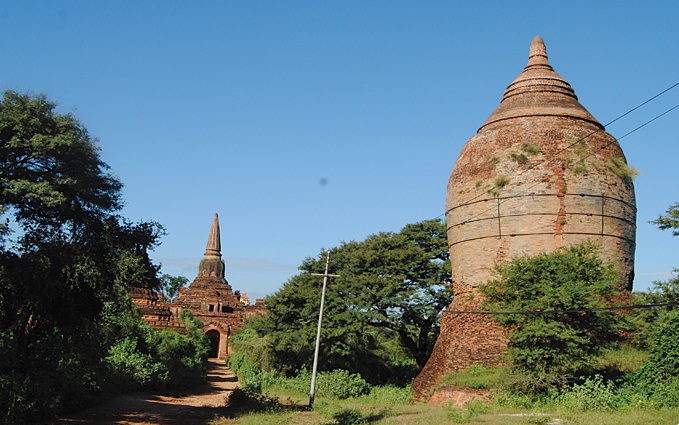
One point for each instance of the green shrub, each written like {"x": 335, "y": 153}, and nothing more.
{"x": 247, "y": 371}
{"x": 566, "y": 290}
{"x": 129, "y": 369}
{"x": 341, "y": 384}
{"x": 338, "y": 384}
{"x": 349, "y": 417}
{"x": 390, "y": 395}
{"x": 658, "y": 378}
{"x": 593, "y": 394}
{"x": 182, "y": 356}
{"x": 150, "y": 359}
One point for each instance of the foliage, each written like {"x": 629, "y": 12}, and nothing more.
{"x": 593, "y": 394}
{"x": 148, "y": 359}
{"x": 531, "y": 148}
{"x": 259, "y": 350}
{"x": 670, "y": 220}
{"x": 557, "y": 330}
{"x": 339, "y": 384}
{"x": 498, "y": 184}
{"x": 130, "y": 369}
{"x": 71, "y": 256}
{"x": 644, "y": 322}
{"x": 53, "y": 180}
{"x": 380, "y": 312}
{"x": 477, "y": 377}
{"x": 353, "y": 416}
{"x": 659, "y": 377}
{"x": 170, "y": 285}
{"x": 248, "y": 372}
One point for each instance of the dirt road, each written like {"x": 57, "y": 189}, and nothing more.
{"x": 197, "y": 408}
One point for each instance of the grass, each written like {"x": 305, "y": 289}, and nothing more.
{"x": 364, "y": 411}
{"x": 477, "y": 377}
{"x": 392, "y": 405}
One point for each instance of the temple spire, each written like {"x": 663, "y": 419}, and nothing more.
{"x": 539, "y": 91}
{"x": 538, "y": 53}
{"x": 214, "y": 245}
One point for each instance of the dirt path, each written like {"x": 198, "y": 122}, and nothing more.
{"x": 197, "y": 408}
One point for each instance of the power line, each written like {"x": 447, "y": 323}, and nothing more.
{"x": 569, "y": 146}
{"x": 569, "y": 311}
{"x": 643, "y": 103}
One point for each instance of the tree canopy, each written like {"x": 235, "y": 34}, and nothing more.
{"x": 386, "y": 300}
{"x": 69, "y": 254}
{"x": 669, "y": 220}
{"x": 52, "y": 179}
{"x": 555, "y": 305}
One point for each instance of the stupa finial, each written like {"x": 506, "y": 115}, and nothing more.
{"x": 538, "y": 52}
{"x": 214, "y": 245}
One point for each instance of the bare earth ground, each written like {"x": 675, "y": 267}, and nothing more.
{"x": 198, "y": 407}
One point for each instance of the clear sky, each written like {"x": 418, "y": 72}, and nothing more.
{"x": 308, "y": 123}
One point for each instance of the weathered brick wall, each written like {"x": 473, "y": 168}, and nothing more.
{"x": 561, "y": 195}
{"x": 465, "y": 340}
{"x": 541, "y": 173}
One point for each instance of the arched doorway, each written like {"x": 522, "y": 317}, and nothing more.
{"x": 213, "y": 336}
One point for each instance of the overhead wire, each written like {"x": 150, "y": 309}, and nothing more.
{"x": 568, "y": 311}
{"x": 569, "y": 146}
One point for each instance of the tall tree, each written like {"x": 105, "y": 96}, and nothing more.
{"x": 51, "y": 176}
{"x": 71, "y": 253}
{"x": 389, "y": 293}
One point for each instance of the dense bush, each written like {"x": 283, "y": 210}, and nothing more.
{"x": 130, "y": 369}
{"x": 593, "y": 394}
{"x": 248, "y": 372}
{"x": 150, "y": 359}
{"x": 658, "y": 379}
{"x": 559, "y": 322}
{"x": 339, "y": 384}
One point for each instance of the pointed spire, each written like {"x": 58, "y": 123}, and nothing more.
{"x": 214, "y": 245}
{"x": 539, "y": 91}
{"x": 538, "y": 53}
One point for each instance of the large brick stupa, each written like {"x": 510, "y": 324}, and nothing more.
{"x": 540, "y": 173}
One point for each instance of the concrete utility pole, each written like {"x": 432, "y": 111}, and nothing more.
{"x": 325, "y": 275}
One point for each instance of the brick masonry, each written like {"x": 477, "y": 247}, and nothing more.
{"x": 209, "y": 298}
{"x": 539, "y": 174}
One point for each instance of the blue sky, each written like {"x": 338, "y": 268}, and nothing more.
{"x": 308, "y": 123}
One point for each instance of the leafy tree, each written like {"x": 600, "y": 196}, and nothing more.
{"x": 170, "y": 285}
{"x": 646, "y": 321}
{"x": 52, "y": 180}
{"x": 659, "y": 376}
{"x": 386, "y": 300}
{"x": 662, "y": 292}
{"x": 670, "y": 220}
{"x": 71, "y": 255}
{"x": 556, "y": 328}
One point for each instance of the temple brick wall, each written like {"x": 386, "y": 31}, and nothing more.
{"x": 209, "y": 298}
{"x": 540, "y": 173}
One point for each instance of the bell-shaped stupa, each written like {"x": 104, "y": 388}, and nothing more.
{"x": 540, "y": 173}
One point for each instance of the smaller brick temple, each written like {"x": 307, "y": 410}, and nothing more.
{"x": 209, "y": 298}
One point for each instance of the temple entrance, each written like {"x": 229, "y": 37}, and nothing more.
{"x": 213, "y": 336}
